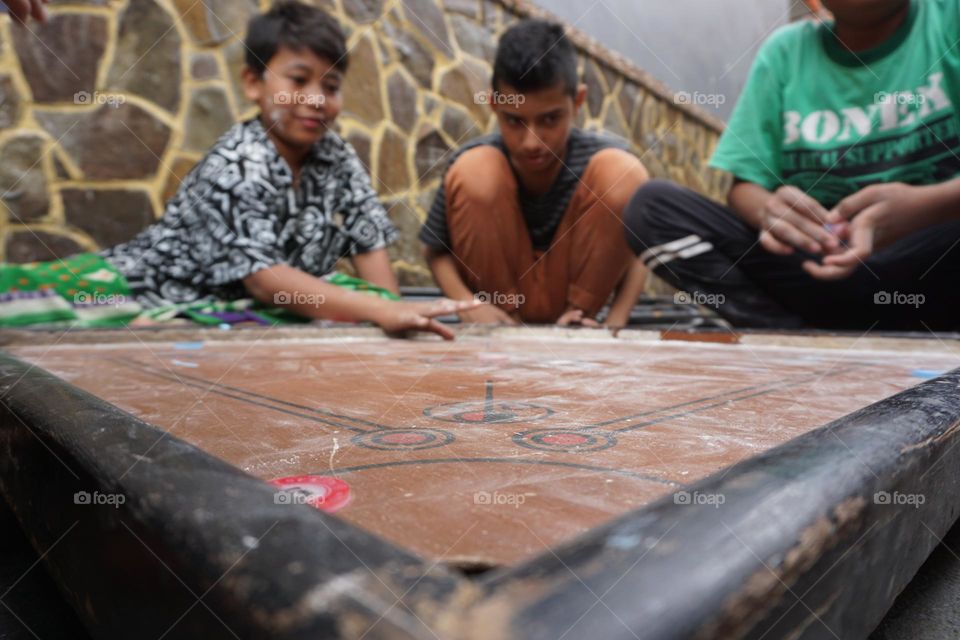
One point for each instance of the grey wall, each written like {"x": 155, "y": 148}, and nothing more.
{"x": 700, "y": 47}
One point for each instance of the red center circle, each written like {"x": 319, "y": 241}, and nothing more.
{"x": 329, "y": 494}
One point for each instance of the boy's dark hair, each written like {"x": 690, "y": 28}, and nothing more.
{"x": 533, "y": 55}
{"x": 294, "y": 25}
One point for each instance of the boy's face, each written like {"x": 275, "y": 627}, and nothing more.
{"x": 535, "y": 125}
{"x": 298, "y": 95}
{"x": 864, "y": 12}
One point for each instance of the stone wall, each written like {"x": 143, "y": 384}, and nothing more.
{"x": 105, "y": 108}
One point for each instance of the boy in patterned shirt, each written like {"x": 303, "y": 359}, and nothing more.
{"x": 279, "y": 198}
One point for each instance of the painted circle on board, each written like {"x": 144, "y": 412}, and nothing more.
{"x": 326, "y": 493}
{"x": 404, "y": 439}
{"x": 481, "y": 412}
{"x": 564, "y": 440}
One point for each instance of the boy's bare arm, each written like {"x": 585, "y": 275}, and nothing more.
{"x": 444, "y": 268}
{"x": 289, "y": 287}
{"x": 747, "y": 200}
{"x": 374, "y": 267}
{"x": 285, "y": 286}
{"x": 627, "y": 296}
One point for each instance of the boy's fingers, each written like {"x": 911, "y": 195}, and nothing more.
{"x": 23, "y": 9}
{"x": 19, "y": 9}
{"x": 845, "y": 259}
{"x": 784, "y": 223}
{"x": 854, "y": 204}
{"x": 806, "y": 205}
{"x": 859, "y": 248}
{"x": 771, "y": 244}
{"x": 446, "y": 307}
{"x": 570, "y": 317}
{"x": 841, "y": 265}
{"x": 840, "y": 231}
{"x": 814, "y": 269}
{"x": 37, "y": 11}
{"x": 590, "y": 322}
{"x": 816, "y": 231}
{"x": 826, "y": 272}
{"x": 466, "y": 304}
{"x": 438, "y": 328}
{"x": 788, "y": 234}
{"x": 442, "y": 308}
{"x": 849, "y": 258}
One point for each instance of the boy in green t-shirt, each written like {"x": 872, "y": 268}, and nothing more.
{"x": 845, "y": 149}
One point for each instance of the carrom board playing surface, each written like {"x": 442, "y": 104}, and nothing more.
{"x": 494, "y": 448}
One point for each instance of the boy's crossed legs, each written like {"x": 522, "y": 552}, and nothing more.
{"x": 704, "y": 248}
{"x": 586, "y": 259}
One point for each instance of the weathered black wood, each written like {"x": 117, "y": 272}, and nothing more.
{"x": 32, "y": 607}
{"x": 798, "y": 548}
{"x": 198, "y": 549}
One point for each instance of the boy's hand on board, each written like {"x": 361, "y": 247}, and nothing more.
{"x": 791, "y": 220}
{"x": 574, "y": 316}
{"x": 617, "y": 320}
{"x": 398, "y": 317}
{"x": 485, "y": 313}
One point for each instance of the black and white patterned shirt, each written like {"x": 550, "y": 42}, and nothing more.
{"x": 237, "y": 212}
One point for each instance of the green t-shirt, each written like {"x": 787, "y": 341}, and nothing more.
{"x": 817, "y": 116}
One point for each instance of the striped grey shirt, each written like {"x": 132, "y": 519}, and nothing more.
{"x": 542, "y": 213}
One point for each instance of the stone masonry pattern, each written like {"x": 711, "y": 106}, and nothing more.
{"x": 105, "y": 108}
